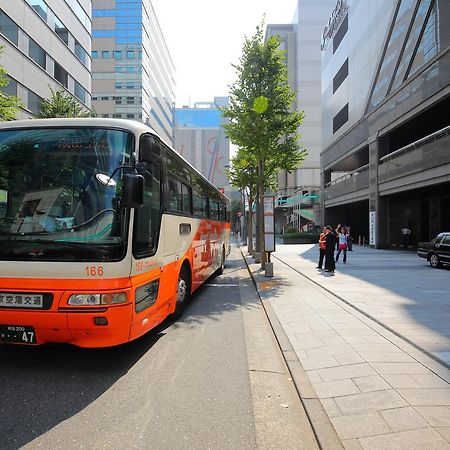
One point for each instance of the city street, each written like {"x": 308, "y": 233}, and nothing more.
{"x": 215, "y": 379}
{"x": 373, "y": 340}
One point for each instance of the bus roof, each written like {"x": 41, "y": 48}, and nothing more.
{"x": 131, "y": 125}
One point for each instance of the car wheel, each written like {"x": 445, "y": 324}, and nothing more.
{"x": 434, "y": 261}
{"x": 183, "y": 293}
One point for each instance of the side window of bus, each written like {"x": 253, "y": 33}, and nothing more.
{"x": 180, "y": 197}
{"x": 213, "y": 210}
{"x": 222, "y": 212}
{"x": 200, "y": 205}
{"x": 146, "y": 222}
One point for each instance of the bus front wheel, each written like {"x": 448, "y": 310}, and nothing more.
{"x": 183, "y": 293}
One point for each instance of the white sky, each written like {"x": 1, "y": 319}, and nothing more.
{"x": 205, "y": 37}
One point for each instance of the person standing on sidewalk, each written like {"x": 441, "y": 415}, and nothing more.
{"x": 330, "y": 244}
{"x": 342, "y": 242}
{"x": 321, "y": 248}
{"x": 349, "y": 240}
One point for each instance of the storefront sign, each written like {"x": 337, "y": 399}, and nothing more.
{"x": 337, "y": 16}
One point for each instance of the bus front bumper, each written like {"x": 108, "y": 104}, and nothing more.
{"x": 102, "y": 327}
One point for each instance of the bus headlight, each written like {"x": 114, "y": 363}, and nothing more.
{"x": 97, "y": 299}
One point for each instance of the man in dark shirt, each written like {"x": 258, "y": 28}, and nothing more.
{"x": 330, "y": 244}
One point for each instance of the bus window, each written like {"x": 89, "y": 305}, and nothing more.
{"x": 175, "y": 196}
{"x": 200, "y": 205}
{"x": 146, "y": 224}
{"x": 186, "y": 193}
{"x": 222, "y": 212}
{"x": 214, "y": 210}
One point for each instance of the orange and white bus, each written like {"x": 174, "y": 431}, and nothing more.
{"x": 104, "y": 231}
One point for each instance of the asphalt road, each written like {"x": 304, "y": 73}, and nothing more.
{"x": 213, "y": 380}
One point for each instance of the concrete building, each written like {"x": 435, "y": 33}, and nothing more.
{"x": 200, "y": 138}
{"x": 132, "y": 71}
{"x": 47, "y": 43}
{"x": 385, "y": 116}
{"x": 301, "y": 41}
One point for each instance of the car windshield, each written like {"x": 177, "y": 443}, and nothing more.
{"x": 56, "y": 190}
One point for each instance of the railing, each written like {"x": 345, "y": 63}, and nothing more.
{"x": 417, "y": 144}
{"x": 351, "y": 182}
{"x": 424, "y": 154}
{"x": 349, "y": 175}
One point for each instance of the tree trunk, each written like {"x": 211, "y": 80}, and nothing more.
{"x": 250, "y": 226}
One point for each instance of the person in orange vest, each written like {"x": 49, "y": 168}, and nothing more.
{"x": 321, "y": 248}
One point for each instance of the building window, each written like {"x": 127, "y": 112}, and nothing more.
{"x": 104, "y": 98}
{"x": 105, "y": 55}
{"x": 81, "y": 53}
{"x": 61, "y": 31}
{"x": 118, "y": 100}
{"x": 341, "y": 32}
{"x": 94, "y": 55}
{"x": 80, "y": 13}
{"x": 34, "y": 102}
{"x": 340, "y": 76}
{"x": 10, "y": 88}
{"x": 117, "y": 54}
{"x": 340, "y": 118}
{"x": 117, "y": 115}
{"x": 8, "y": 28}
{"x": 130, "y": 116}
{"x": 104, "y": 116}
{"x": 61, "y": 75}
{"x": 80, "y": 92}
{"x": 37, "y": 53}
{"x": 130, "y": 54}
{"x": 40, "y": 7}
{"x": 130, "y": 100}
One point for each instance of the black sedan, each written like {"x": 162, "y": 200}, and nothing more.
{"x": 437, "y": 252}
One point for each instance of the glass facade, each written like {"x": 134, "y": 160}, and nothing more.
{"x": 411, "y": 42}
{"x": 143, "y": 67}
{"x": 429, "y": 44}
{"x": 392, "y": 52}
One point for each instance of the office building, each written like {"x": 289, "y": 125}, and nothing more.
{"x": 132, "y": 71}
{"x": 386, "y": 97}
{"x": 298, "y": 190}
{"x": 46, "y": 43}
{"x": 200, "y": 138}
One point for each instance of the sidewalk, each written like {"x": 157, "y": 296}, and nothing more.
{"x": 359, "y": 337}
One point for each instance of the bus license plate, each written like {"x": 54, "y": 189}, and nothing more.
{"x": 17, "y": 334}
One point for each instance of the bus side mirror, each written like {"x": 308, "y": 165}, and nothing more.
{"x": 133, "y": 190}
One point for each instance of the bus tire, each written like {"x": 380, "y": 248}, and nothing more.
{"x": 222, "y": 263}
{"x": 183, "y": 293}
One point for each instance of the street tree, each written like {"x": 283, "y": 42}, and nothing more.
{"x": 242, "y": 175}
{"x": 9, "y": 104}
{"x": 262, "y": 120}
{"x": 62, "y": 104}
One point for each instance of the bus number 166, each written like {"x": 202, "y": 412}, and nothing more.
{"x": 93, "y": 271}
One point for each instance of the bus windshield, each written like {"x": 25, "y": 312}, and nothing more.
{"x": 58, "y": 201}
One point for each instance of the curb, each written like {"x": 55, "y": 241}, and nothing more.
{"x": 321, "y": 425}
